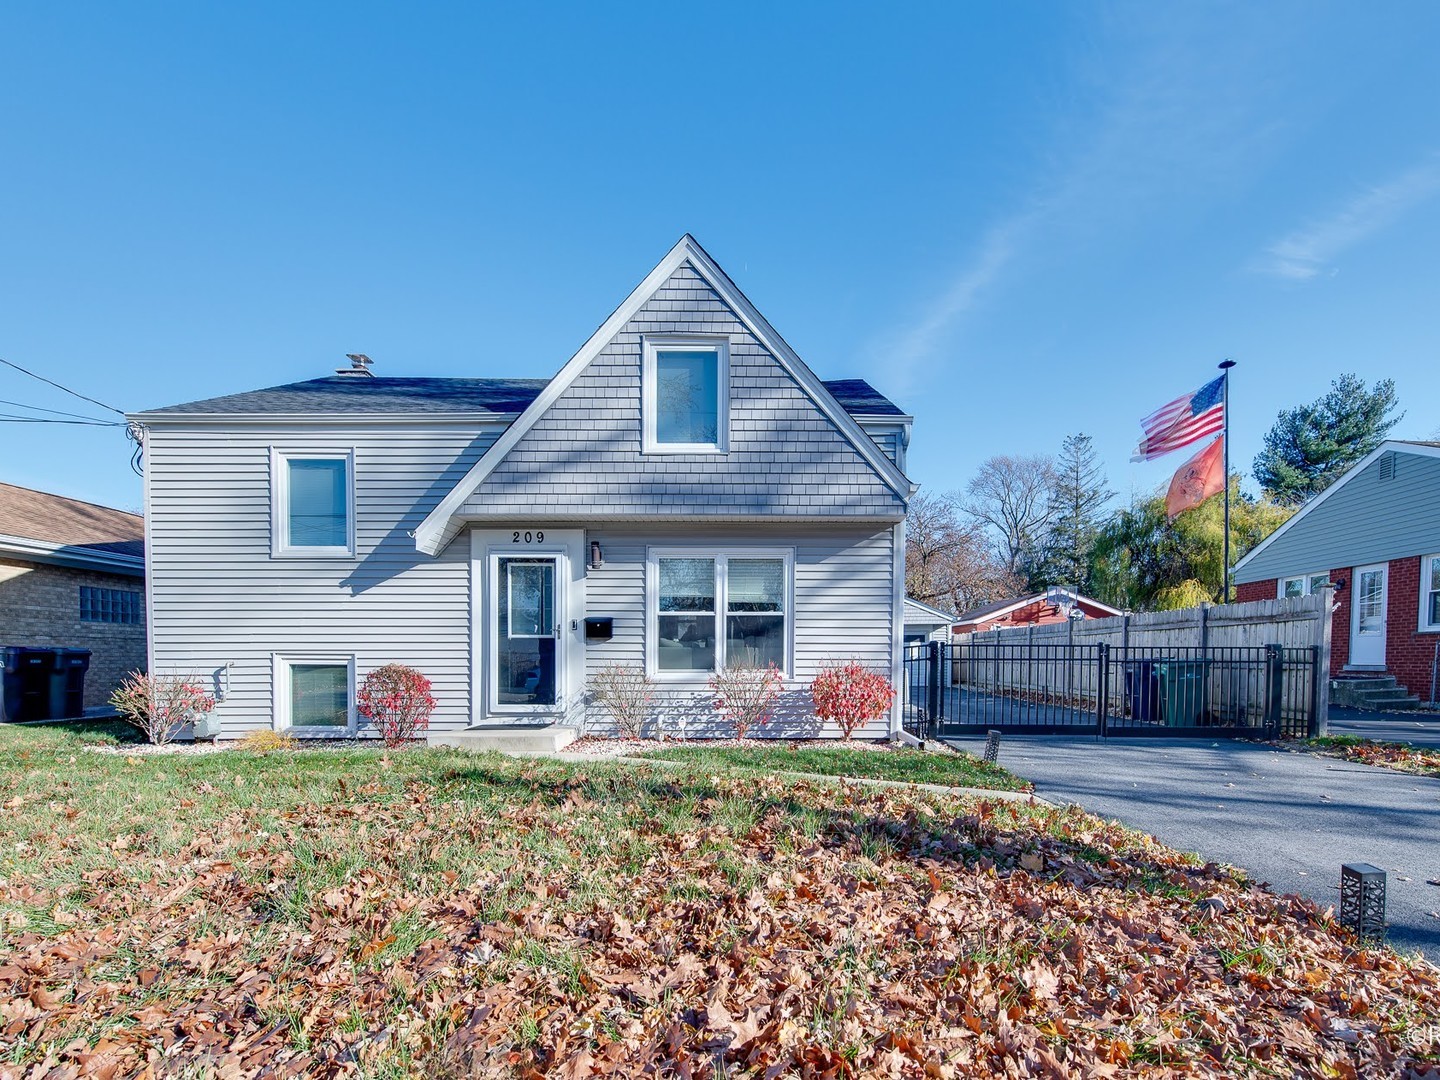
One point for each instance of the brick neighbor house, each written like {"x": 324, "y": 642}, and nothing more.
{"x": 72, "y": 574}
{"x": 1374, "y": 534}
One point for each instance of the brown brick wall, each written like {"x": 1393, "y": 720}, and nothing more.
{"x": 40, "y": 606}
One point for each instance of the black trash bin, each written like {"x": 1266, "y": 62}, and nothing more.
{"x": 27, "y": 682}
{"x": 1142, "y": 690}
{"x": 67, "y": 683}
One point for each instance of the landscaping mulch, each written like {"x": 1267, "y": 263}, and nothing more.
{"x": 429, "y": 912}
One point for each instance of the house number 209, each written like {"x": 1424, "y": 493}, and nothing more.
{"x": 527, "y": 537}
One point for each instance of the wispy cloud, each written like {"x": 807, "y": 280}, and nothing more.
{"x": 1162, "y": 111}
{"x": 918, "y": 341}
{"x": 1312, "y": 250}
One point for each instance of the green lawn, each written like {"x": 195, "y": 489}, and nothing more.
{"x": 431, "y": 912}
{"x": 917, "y": 766}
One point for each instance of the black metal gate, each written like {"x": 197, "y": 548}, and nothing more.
{"x": 1256, "y": 692}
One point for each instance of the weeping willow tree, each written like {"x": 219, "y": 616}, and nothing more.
{"x": 1141, "y": 561}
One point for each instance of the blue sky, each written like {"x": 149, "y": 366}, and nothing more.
{"x": 1017, "y": 220}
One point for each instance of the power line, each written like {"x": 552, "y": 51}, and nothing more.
{"x": 53, "y": 412}
{"x": 8, "y": 418}
{"x": 66, "y": 389}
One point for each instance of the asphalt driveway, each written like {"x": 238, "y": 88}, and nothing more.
{"x": 1289, "y": 818}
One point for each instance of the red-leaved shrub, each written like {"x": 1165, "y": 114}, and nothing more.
{"x": 161, "y": 706}
{"x": 397, "y": 699}
{"x": 851, "y": 695}
{"x": 745, "y": 695}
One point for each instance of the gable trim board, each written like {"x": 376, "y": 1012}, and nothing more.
{"x": 1389, "y": 446}
{"x": 441, "y": 525}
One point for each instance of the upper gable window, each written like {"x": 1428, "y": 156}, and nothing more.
{"x": 687, "y": 392}
{"x": 313, "y": 504}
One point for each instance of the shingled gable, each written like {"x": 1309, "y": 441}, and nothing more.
{"x": 876, "y": 488}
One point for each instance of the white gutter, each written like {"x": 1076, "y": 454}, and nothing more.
{"x": 72, "y": 555}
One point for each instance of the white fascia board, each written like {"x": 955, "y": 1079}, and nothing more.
{"x": 438, "y": 529}
{"x": 72, "y": 555}
{"x": 329, "y": 419}
{"x": 1392, "y": 445}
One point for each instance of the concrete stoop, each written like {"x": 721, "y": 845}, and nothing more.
{"x": 509, "y": 739}
{"x": 1380, "y": 692}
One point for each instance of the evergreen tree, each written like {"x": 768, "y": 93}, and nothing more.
{"x": 1309, "y": 447}
{"x": 1078, "y": 494}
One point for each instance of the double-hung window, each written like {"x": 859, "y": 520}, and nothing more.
{"x": 715, "y": 610}
{"x": 1302, "y": 585}
{"x": 687, "y": 395}
{"x": 1430, "y": 592}
{"x": 313, "y": 511}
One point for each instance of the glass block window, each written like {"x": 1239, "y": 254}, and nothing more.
{"x": 124, "y": 607}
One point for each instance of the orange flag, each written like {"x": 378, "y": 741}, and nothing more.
{"x": 1195, "y": 481}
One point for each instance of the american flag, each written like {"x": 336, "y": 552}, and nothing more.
{"x": 1183, "y": 421}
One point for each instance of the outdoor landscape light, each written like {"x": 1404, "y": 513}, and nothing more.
{"x": 1362, "y": 899}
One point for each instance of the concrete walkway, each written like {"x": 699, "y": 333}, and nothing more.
{"x": 1416, "y": 728}
{"x": 1289, "y": 818}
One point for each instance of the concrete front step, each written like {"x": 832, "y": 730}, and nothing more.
{"x": 509, "y": 739}
{"x": 1375, "y": 692}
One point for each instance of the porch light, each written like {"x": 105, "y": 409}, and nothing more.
{"x": 1362, "y": 899}
{"x": 597, "y": 559}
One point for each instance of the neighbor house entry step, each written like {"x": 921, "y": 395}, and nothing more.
{"x": 508, "y": 739}
{"x": 1371, "y": 692}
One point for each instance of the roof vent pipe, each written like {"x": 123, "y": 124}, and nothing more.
{"x": 359, "y": 365}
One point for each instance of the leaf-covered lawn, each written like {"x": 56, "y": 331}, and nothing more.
{"x": 917, "y": 766}
{"x": 1388, "y": 755}
{"x": 432, "y": 912}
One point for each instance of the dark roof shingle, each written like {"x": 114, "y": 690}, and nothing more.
{"x": 378, "y": 395}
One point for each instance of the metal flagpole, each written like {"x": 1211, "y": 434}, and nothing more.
{"x": 1225, "y": 366}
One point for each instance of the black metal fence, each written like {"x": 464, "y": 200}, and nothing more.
{"x": 1262, "y": 692}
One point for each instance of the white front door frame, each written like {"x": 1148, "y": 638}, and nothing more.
{"x": 1369, "y": 605}
{"x": 487, "y": 547}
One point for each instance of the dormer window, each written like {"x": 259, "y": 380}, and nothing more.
{"x": 687, "y": 394}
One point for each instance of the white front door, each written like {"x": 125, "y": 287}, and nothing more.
{"x": 527, "y": 639}
{"x": 1367, "y": 621}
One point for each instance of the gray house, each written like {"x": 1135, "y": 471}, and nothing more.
{"x": 684, "y": 494}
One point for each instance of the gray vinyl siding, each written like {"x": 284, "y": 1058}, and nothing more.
{"x": 217, "y": 596}
{"x": 888, "y": 438}
{"x": 1369, "y": 520}
{"x": 583, "y": 457}
{"x": 843, "y": 600}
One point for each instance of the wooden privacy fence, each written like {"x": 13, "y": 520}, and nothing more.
{"x": 1241, "y": 664}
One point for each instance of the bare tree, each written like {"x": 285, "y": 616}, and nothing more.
{"x": 1010, "y": 496}
{"x": 950, "y": 562}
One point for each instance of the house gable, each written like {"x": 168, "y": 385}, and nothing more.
{"x": 1386, "y": 507}
{"x": 576, "y": 452}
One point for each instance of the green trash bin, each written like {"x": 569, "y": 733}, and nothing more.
{"x": 1182, "y": 691}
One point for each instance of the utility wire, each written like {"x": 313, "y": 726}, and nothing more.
{"x": 53, "y": 412}
{"x": 66, "y": 389}
{"x": 9, "y": 418}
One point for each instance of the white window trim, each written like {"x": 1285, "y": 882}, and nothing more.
{"x": 665, "y": 342}
{"x": 280, "y": 693}
{"x": 280, "y": 499}
{"x": 721, "y": 555}
{"x": 1426, "y": 564}
{"x": 1305, "y": 578}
